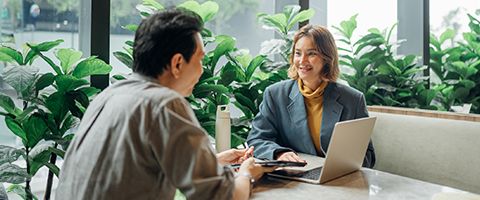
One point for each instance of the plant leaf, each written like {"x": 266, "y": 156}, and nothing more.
{"x": 131, "y": 27}
{"x": 254, "y": 64}
{"x": 304, "y": 15}
{"x": 67, "y": 83}
{"x": 153, "y": 4}
{"x": 12, "y": 54}
{"x": 35, "y": 129}
{"x": 20, "y": 191}
{"x": 7, "y": 104}
{"x": 67, "y": 58}
{"x": 44, "y": 81}
{"x": 9, "y": 154}
{"x": 10, "y": 173}
{"x": 227, "y": 44}
{"x": 16, "y": 129}
{"x": 90, "y": 91}
{"x": 448, "y": 34}
{"x": 125, "y": 58}
{"x": 20, "y": 77}
{"x": 91, "y": 66}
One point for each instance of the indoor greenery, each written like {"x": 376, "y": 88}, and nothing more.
{"x": 48, "y": 106}
{"x": 232, "y": 75}
{"x": 372, "y": 67}
{"x": 457, "y": 67}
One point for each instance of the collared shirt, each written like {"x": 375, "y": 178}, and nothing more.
{"x": 140, "y": 140}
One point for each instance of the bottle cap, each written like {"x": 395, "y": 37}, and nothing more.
{"x": 223, "y": 111}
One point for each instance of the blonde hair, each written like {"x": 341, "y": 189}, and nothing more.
{"x": 325, "y": 44}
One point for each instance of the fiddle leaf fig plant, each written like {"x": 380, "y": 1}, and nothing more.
{"x": 371, "y": 66}
{"x": 231, "y": 75}
{"x": 457, "y": 67}
{"x": 47, "y": 106}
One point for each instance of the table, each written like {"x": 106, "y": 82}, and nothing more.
{"x": 362, "y": 184}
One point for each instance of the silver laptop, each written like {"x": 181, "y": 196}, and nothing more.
{"x": 345, "y": 155}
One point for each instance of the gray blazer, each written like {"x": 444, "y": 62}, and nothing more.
{"x": 281, "y": 124}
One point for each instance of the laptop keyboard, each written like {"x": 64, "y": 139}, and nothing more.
{"x": 313, "y": 174}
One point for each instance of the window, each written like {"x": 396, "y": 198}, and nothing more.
{"x": 23, "y": 21}
{"x": 453, "y": 15}
{"x": 381, "y": 16}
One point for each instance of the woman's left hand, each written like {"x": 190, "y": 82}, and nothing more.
{"x": 234, "y": 156}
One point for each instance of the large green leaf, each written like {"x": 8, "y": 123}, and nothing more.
{"x": 67, "y": 58}
{"x": 228, "y": 74}
{"x": 227, "y": 44}
{"x": 67, "y": 83}
{"x": 349, "y": 26}
{"x": 277, "y": 22}
{"x": 304, "y": 15}
{"x": 131, "y": 27}
{"x": 16, "y": 129}
{"x": 447, "y": 34}
{"x": 126, "y": 59}
{"x": 7, "y": 104}
{"x": 46, "y": 46}
{"x": 91, "y": 66}
{"x": 57, "y": 104}
{"x": 20, "y": 77}
{"x": 10, "y": 173}
{"x": 39, "y": 156}
{"x": 35, "y": 129}
{"x": 254, "y": 64}
{"x": 291, "y": 11}
{"x": 9, "y": 154}
{"x": 8, "y": 54}
{"x": 153, "y": 3}
{"x": 53, "y": 168}
{"x": 206, "y": 10}
{"x": 44, "y": 81}
{"x": 20, "y": 191}
{"x": 90, "y": 91}
{"x": 203, "y": 90}
{"x": 245, "y": 101}
{"x": 37, "y": 49}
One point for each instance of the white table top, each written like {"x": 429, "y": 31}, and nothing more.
{"x": 362, "y": 184}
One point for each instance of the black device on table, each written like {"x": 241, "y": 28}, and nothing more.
{"x": 275, "y": 163}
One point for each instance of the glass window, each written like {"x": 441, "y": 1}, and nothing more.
{"x": 381, "y": 16}
{"x": 23, "y": 21}
{"x": 236, "y": 18}
{"x": 122, "y": 13}
{"x": 451, "y": 14}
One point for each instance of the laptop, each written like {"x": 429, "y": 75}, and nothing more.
{"x": 345, "y": 155}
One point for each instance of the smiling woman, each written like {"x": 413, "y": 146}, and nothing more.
{"x": 301, "y": 116}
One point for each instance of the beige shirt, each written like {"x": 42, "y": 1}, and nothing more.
{"x": 140, "y": 140}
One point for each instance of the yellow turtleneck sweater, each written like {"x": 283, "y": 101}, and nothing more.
{"x": 314, "y": 106}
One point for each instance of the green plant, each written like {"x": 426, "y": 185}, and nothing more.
{"x": 232, "y": 75}
{"x": 457, "y": 67}
{"x": 51, "y": 105}
{"x": 373, "y": 68}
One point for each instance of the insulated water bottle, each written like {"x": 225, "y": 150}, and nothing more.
{"x": 222, "y": 128}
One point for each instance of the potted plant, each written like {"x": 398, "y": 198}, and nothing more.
{"x": 51, "y": 105}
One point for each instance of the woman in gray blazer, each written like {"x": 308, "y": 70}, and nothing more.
{"x": 298, "y": 115}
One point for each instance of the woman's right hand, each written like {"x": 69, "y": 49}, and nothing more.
{"x": 255, "y": 170}
{"x": 290, "y": 156}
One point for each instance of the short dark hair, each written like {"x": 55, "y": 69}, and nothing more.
{"x": 162, "y": 35}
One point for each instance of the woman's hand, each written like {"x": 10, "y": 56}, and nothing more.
{"x": 290, "y": 156}
{"x": 234, "y": 156}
